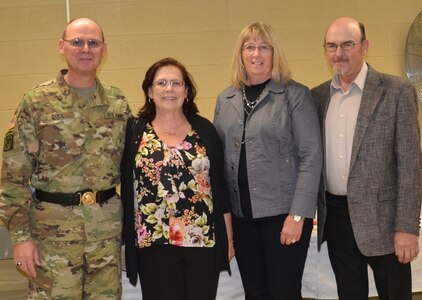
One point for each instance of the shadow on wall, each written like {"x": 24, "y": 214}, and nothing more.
{"x": 5, "y": 243}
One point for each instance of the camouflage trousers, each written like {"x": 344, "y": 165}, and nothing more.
{"x": 79, "y": 249}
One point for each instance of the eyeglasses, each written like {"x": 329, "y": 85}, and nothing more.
{"x": 80, "y": 43}
{"x": 261, "y": 48}
{"x": 162, "y": 84}
{"x": 346, "y": 46}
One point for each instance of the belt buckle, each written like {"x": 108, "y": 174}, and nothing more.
{"x": 87, "y": 198}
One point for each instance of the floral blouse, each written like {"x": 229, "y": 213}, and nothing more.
{"x": 173, "y": 201}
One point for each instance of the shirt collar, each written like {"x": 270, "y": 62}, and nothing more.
{"x": 359, "y": 80}
{"x": 99, "y": 97}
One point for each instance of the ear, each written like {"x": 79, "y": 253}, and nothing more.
{"x": 365, "y": 47}
{"x": 186, "y": 93}
{"x": 105, "y": 49}
{"x": 61, "y": 46}
{"x": 150, "y": 92}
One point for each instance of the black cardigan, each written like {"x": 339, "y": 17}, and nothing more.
{"x": 209, "y": 137}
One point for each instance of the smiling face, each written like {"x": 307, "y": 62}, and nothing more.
{"x": 258, "y": 63}
{"x": 82, "y": 60}
{"x": 170, "y": 97}
{"x": 347, "y": 64}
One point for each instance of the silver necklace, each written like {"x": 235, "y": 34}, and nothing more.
{"x": 251, "y": 104}
{"x": 248, "y": 103}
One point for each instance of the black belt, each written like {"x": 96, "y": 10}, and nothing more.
{"x": 85, "y": 197}
{"x": 332, "y": 196}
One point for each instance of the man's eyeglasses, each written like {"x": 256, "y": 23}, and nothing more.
{"x": 80, "y": 43}
{"x": 346, "y": 46}
{"x": 261, "y": 48}
{"x": 162, "y": 84}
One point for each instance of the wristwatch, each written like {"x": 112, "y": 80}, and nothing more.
{"x": 297, "y": 218}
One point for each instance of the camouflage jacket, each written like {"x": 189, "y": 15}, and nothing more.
{"x": 59, "y": 142}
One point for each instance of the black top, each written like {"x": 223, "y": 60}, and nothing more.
{"x": 208, "y": 134}
{"x": 252, "y": 93}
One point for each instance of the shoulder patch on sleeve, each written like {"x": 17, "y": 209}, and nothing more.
{"x": 8, "y": 141}
{"x": 12, "y": 123}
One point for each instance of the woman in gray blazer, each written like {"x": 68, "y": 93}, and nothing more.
{"x": 270, "y": 131}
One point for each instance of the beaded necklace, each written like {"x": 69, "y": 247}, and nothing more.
{"x": 249, "y": 105}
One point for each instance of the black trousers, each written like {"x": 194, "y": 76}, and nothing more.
{"x": 269, "y": 270}
{"x": 177, "y": 273}
{"x": 393, "y": 279}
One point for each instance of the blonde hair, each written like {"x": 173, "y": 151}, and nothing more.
{"x": 280, "y": 71}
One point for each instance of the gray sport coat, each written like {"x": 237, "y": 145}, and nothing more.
{"x": 384, "y": 186}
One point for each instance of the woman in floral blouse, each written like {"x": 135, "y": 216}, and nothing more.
{"x": 177, "y": 224}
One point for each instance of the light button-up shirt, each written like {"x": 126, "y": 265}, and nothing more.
{"x": 340, "y": 124}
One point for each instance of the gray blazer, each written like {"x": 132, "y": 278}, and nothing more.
{"x": 384, "y": 186}
{"x": 283, "y": 149}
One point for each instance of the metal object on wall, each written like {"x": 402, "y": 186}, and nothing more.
{"x": 413, "y": 54}
{"x": 67, "y": 11}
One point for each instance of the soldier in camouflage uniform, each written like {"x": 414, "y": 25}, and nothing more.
{"x": 61, "y": 160}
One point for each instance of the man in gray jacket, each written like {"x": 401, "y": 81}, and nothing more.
{"x": 370, "y": 196}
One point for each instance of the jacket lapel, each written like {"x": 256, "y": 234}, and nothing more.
{"x": 136, "y": 136}
{"x": 237, "y": 102}
{"x": 324, "y": 108}
{"x": 373, "y": 93}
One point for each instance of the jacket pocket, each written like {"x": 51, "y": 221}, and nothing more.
{"x": 61, "y": 136}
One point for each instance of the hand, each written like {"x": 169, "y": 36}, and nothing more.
{"x": 229, "y": 231}
{"x": 231, "y": 250}
{"x": 291, "y": 231}
{"x": 26, "y": 257}
{"x": 406, "y": 246}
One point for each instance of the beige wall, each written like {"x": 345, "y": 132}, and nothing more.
{"x": 200, "y": 33}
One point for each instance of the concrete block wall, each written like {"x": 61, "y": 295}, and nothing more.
{"x": 199, "y": 33}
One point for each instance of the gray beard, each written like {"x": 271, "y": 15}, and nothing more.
{"x": 340, "y": 71}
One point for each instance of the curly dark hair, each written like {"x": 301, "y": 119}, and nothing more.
{"x": 148, "y": 110}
